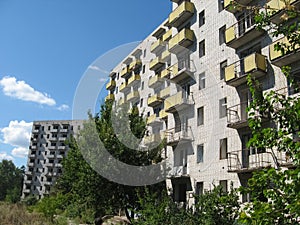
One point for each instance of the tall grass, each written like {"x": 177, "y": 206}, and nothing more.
{"x": 17, "y": 214}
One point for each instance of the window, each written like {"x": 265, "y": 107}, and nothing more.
{"x": 199, "y": 188}
{"x": 223, "y": 184}
{"x": 223, "y": 65}
{"x": 201, "y": 48}
{"x": 118, "y": 75}
{"x": 144, "y": 68}
{"x": 222, "y": 35}
{"x": 221, "y": 5}
{"x": 177, "y": 122}
{"x": 222, "y": 107}
{"x": 202, "y": 81}
{"x": 200, "y": 116}
{"x": 145, "y": 52}
{"x": 200, "y": 151}
{"x": 141, "y": 103}
{"x": 201, "y": 18}
{"x": 223, "y": 148}
{"x": 142, "y": 85}
{"x": 294, "y": 83}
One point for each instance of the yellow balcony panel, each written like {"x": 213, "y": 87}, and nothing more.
{"x": 153, "y": 120}
{"x": 135, "y": 65}
{"x": 112, "y": 74}
{"x": 182, "y": 40}
{"x": 163, "y": 114}
{"x": 165, "y": 73}
{"x": 254, "y": 64}
{"x": 177, "y": 102}
{"x": 165, "y": 56}
{"x": 111, "y": 85}
{"x": 121, "y": 101}
{"x": 133, "y": 96}
{"x": 110, "y": 97}
{"x": 279, "y": 58}
{"x": 231, "y": 7}
{"x": 155, "y": 81}
{"x": 157, "y": 46}
{"x": 165, "y": 92}
{"x": 156, "y": 63}
{"x": 275, "y": 8}
{"x": 154, "y": 100}
{"x": 181, "y": 14}
{"x": 134, "y": 79}
{"x": 167, "y": 36}
{"x": 242, "y": 33}
{"x": 124, "y": 87}
{"x": 180, "y": 71}
{"x": 124, "y": 71}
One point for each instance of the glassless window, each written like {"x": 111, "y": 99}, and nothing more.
{"x": 201, "y": 18}
{"x": 201, "y": 48}
{"x": 223, "y": 107}
{"x": 200, "y": 116}
{"x": 201, "y": 81}
{"x": 200, "y": 151}
{"x": 223, "y": 148}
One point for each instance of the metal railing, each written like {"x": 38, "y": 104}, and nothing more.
{"x": 174, "y": 136}
{"x": 237, "y": 113}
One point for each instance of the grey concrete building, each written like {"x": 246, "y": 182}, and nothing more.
{"x": 189, "y": 78}
{"x": 46, "y": 152}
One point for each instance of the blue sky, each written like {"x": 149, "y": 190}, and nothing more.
{"x": 46, "y": 46}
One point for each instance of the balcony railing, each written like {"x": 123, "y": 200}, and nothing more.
{"x": 242, "y": 32}
{"x": 181, "y": 41}
{"x": 165, "y": 73}
{"x": 154, "y": 100}
{"x": 178, "y": 102}
{"x": 133, "y": 96}
{"x": 253, "y": 159}
{"x": 163, "y": 114}
{"x": 153, "y": 120}
{"x": 183, "y": 136}
{"x": 157, "y": 46}
{"x": 231, "y": 7}
{"x": 168, "y": 35}
{"x": 181, "y": 71}
{"x": 178, "y": 171}
{"x": 125, "y": 71}
{"x": 110, "y": 97}
{"x": 254, "y": 64}
{"x": 155, "y": 81}
{"x": 237, "y": 116}
{"x": 154, "y": 139}
{"x": 165, "y": 92}
{"x": 111, "y": 85}
{"x": 134, "y": 79}
{"x": 156, "y": 63}
{"x": 124, "y": 87}
{"x": 181, "y": 14}
{"x": 275, "y": 8}
{"x": 285, "y": 57}
{"x": 166, "y": 56}
{"x": 135, "y": 65}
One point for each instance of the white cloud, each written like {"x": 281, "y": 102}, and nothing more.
{"x": 20, "y": 152}
{"x": 4, "y": 155}
{"x": 17, "y": 134}
{"x": 21, "y": 90}
{"x": 98, "y": 69}
{"x": 63, "y": 107}
{"x": 103, "y": 79}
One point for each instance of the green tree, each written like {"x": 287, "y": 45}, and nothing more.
{"x": 11, "y": 181}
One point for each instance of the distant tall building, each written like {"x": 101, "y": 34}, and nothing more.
{"x": 46, "y": 151}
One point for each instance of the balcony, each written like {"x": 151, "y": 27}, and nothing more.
{"x": 167, "y": 36}
{"x": 154, "y": 139}
{"x": 164, "y": 93}
{"x": 52, "y": 147}
{"x": 287, "y": 57}
{"x": 121, "y": 101}
{"x": 33, "y": 147}
{"x": 157, "y": 46}
{"x": 53, "y": 139}
{"x": 133, "y": 96}
{"x": 163, "y": 114}
{"x": 49, "y": 164}
{"x": 134, "y": 79}
{"x": 155, "y": 81}
{"x": 178, "y": 171}
{"x": 110, "y": 97}
{"x": 182, "y": 136}
{"x": 135, "y": 65}
{"x": 156, "y": 63}
{"x": 166, "y": 56}
{"x": 165, "y": 73}
{"x": 54, "y": 130}
{"x": 35, "y": 131}
{"x": 249, "y": 160}
{"x": 62, "y": 147}
{"x": 31, "y": 164}
{"x": 63, "y": 130}
{"x": 243, "y": 32}
{"x": 125, "y": 71}
{"x": 181, "y": 14}
{"x": 112, "y": 74}
{"x": 154, "y": 100}
{"x": 32, "y": 156}
{"x": 178, "y": 102}
{"x": 276, "y": 9}
{"x": 62, "y": 138}
{"x": 254, "y": 64}
{"x": 237, "y": 116}
{"x": 124, "y": 87}
{"x": 111, "y": 85}
{"x": 181, "y": 41}
{"x": 231, "y": 7}
{"x": 181, "y": 71}
{"x": 153, "y": 120}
